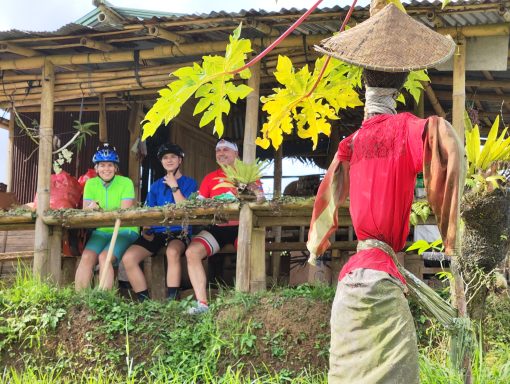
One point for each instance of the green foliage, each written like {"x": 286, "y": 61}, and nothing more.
{"x": 414, "y": 85}
{"x": 309, "y": 111}
{"x": 242, "y": 174}
{"x": 211, "y": 82}
{"x": 29, "y": 310}
{"x": 495, "y": 148}
{"x": 420, "y": 210}
{"x": 422, "y": 246}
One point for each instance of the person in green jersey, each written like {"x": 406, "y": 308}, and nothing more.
{"x": 107, "y": 191}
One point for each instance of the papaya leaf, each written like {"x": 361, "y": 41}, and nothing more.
{"x": 312, "y": 113}
{"x": 211, "y": 83}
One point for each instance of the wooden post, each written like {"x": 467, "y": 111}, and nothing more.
{"x": 41, "y": 241}
{"x": 135, "y": 116}
{"x": 277, "y": 192}
{"x": 10, "y": 152}
{"x": 246, "y": 215}
{"x": 258, "y": 260}
{"x": 103, "y": 127}
{"x": 243, "y": 250}
{"x": 252, "y": 116}
{"x": 55, "y": 242}
{"x": 459, "y": 88}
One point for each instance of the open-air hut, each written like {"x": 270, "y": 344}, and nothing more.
{"x": 108, "y": 66}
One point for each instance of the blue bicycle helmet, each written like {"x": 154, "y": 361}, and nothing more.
{"x": 105, "y": 152}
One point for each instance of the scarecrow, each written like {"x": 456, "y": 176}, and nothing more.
{"x": 373, "y": 339}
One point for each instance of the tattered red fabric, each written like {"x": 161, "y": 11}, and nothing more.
{"x": 382, "y": 160}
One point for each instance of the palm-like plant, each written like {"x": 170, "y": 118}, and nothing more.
{"x": 241, "y": 175}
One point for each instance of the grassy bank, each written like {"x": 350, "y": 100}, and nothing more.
{"x": 51, "y": 335}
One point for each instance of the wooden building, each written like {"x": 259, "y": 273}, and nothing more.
{"x": 108, "y": 67}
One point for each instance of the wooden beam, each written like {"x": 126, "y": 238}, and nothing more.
{"x": 277, "y": 192}
{"x": 446, "y": 95}
{"x": 160, "y": 32}
{"x": 97, "y": 45}
{"x": 10, "y": 152}
{"x": 42, "y": 269}
{"x": 490, "y": 82}
{"x": 55, "y": 243}
{"x": 135, "y": 117}
{"x": 431, "y": 95}
{"x": 18, "y": 50}
{"x": 158, "y": 52}
{"x": 252, "y": 116}
{"x": 459, "y": 88}
{"x": 258, "y": 260}
{"x": 103, "y": 124}
{"x": 243, "y": 264}
{"x": 482, "y": 30}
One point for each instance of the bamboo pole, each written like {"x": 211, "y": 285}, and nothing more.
{"x": 243, "y": 266}
{"x": 98, "y": 45}
{"x": 103, "y": 127}
{"x": 277, "y": 230}
{"x": 41, "y": 241}
{"x": 18, "y": 50}
{"x": 10, "y": 152}
{"x": 252, "y": 116}
{"x": 146, "y": 216}
{"x": 258, "y": 260}
{"x": 135, "y": 118}
{"x": 109, "y": 255}
{"x": 55, "y": 264}
{"x": 156, "y": 31}
{"x": 459, "y": 88}
{"x": 158, "y": 52}
{"x": 431, "y": 95}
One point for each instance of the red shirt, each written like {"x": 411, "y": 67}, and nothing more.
{"x": 385, "y": 155}
{"x": 210, "y": 181}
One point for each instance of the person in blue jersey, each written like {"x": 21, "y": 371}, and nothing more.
{"x": 107, "y": 191}
{"x": 174, "y": 187}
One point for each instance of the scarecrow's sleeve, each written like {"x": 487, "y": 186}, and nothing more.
{"x": 443, "y": 173}
{"x": 332, "y": 192}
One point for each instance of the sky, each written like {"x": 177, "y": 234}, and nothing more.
{"x": 49, "y": 15}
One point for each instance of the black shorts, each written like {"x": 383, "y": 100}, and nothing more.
{"x": 161, "y": 239}
{"x": 215, "y": 237}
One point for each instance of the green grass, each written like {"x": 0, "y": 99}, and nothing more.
{"x": 154, "y": 342}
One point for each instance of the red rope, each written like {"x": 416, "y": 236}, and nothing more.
{"x": 323, "y": 69}
{"x": 261, "y": 55}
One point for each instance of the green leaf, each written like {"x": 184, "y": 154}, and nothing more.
{"x": 210, "y": 82}
{"x": 311, "y": 113}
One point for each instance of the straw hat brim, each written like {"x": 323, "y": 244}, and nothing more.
{"x": 389, "y": 41}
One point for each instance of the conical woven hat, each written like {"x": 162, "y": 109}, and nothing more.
{"x": 390, "y": 41}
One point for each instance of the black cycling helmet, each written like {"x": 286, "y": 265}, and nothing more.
{"x": 170, "y": 148}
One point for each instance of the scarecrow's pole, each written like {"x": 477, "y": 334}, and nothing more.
{"x": 109, "y": 255}
{"x": 42, "y": 231}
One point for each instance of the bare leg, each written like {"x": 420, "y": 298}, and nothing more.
{"x": 109, "y": 270}
{"x": 195, "y": 253}
{"x": 85, "y": 270}
{"x": 174, "y": 251}
{"x": 134, "y": 255}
